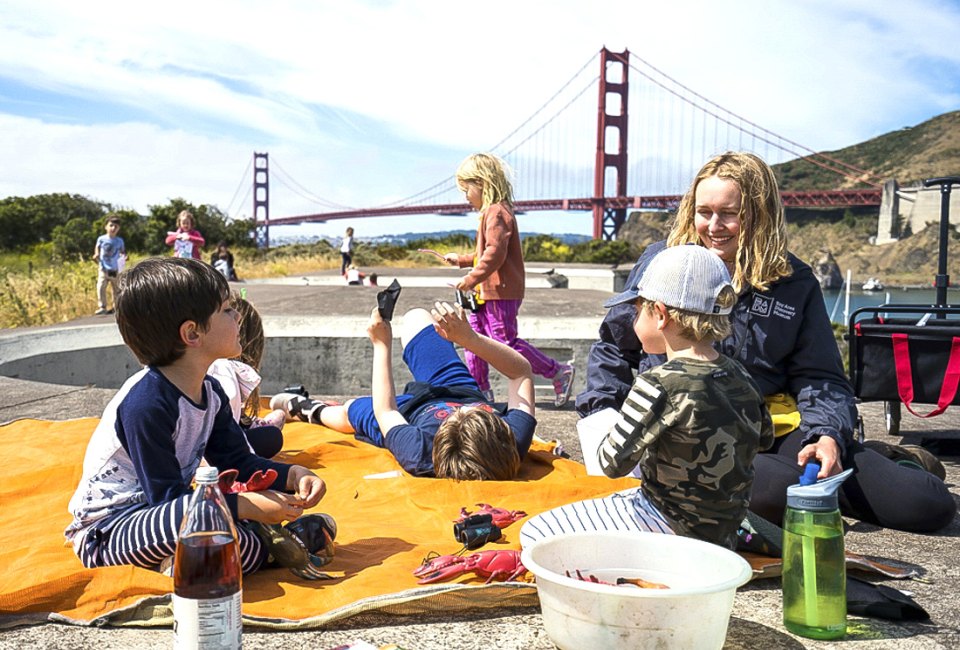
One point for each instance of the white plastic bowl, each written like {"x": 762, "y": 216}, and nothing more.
{"x": 693, "y": 613}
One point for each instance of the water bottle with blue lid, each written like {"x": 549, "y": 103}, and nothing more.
{"x": 814, "y": 564}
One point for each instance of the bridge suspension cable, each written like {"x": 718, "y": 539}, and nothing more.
{"x": 291, "y": 184}
{"x": 835, "y": 165}
{"x": 244, "y": 182}
{"x": 445, "y": 186}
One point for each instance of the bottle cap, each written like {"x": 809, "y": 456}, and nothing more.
{"x": 820, "y": 496}
{"x": 207, "y": 474}
{"x": 810, "y": 471}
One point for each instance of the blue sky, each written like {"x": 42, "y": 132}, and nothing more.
{"x": 364, "y": 103}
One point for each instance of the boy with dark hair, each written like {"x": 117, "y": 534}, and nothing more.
{"x": 175, "y": 315}
{"x": 694, "y": 424}
{"x": 107, "y": 252}
{"x": 441, "y": 426}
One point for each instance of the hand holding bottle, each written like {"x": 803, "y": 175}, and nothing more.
{"x": 826, "y": 453}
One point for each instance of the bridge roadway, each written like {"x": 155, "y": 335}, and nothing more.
{"x": 810, "y": 199}
{"x": 756, "y": 618}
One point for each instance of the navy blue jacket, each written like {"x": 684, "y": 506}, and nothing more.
{"x": 782, "y": 336}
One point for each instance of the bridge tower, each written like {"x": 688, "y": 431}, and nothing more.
{"x": 261, "y": 198}
{"x": 607, "y": 221}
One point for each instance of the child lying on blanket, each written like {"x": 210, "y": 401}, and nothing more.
{"x": 175, "y": 315}
{"x": 442, "y": 425}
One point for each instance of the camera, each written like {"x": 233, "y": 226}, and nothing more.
{"x": 468, "y": 300}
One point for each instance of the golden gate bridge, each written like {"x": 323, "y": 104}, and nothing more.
{"x": 574, "y": 152}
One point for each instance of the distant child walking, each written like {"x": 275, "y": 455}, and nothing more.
{"x": 346, "y": 251}
{"x": 107, "y": 252}
{"x": 694, "y": 424}
{"x": 186, "y": 240}
{"x": 498, "y": 275}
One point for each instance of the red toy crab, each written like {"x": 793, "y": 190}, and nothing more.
{"x": 488, "y": 564}
{"x": 258, "y": 481}
{"x": 501, "y": 517}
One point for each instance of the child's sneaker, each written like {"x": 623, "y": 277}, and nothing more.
{"x": 302, "y": 546}
{"x": 100, "y": 312}
{"x": 275, "y": 418}
{"x": 298, "y": 407}
{"x": 563, "y": 383}
{"x": 294, "y": 406}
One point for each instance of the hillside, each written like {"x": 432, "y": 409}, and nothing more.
{"x": 909, "y": 155}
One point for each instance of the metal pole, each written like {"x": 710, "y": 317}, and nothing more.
{"x": 943, "y": 279}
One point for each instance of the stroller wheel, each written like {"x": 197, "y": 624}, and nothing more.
{"x": 891, "y": 417}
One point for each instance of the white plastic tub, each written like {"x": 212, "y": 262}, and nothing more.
{"x": 692, "y": 613}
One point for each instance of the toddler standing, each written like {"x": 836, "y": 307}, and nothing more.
{"x": 107, "y": 252}
{"x": 186, "y": 239}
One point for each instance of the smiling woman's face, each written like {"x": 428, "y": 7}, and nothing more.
{"x": 717, "y": 218}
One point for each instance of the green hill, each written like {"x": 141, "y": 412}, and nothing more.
{"x": 911, "y": 154}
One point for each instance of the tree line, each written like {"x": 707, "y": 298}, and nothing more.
{"x": 66, "y": 226}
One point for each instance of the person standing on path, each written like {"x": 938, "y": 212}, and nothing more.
{"x": 107, "y": 252}
{"x": 498, "y": 275}
{"x": 346, "y": 251}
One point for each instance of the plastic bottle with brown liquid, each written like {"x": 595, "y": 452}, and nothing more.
{"x": 207, "y": 595}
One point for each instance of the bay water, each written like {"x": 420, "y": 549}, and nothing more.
{"x": 835, "y": 300}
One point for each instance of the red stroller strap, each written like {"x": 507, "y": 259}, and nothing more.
{"x": 951, "y": 378}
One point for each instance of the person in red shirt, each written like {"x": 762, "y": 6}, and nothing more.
{"x": 186, "y": 240}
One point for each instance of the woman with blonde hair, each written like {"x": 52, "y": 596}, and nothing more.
{"x": 783, "y": 337}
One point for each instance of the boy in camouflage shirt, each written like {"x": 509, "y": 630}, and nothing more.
{"x": 693, "y": 424}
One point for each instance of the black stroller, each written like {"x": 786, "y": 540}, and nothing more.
{"x": 909, "y": 354}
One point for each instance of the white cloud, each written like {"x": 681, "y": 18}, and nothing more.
{"x": 364, "y": 103}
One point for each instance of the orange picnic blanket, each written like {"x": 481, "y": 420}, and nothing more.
{"x": 386, "y": 528}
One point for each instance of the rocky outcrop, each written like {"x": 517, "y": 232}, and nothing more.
{"x": 827, "y": 271}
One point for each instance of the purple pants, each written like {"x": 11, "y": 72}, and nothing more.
{"x": 498, "y": 320}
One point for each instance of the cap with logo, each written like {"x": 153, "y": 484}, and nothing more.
{"x": 687, "y": 277}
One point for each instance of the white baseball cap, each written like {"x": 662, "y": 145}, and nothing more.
{"x": 685, "y": 277}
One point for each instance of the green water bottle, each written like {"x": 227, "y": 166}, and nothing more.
{"x": 814, "y": 565}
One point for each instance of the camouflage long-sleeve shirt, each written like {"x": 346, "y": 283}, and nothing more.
{"x": 694, "y": 426}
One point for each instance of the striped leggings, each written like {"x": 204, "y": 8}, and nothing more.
{"x": 628, "y": 510}
{"x": 146, "y": 536}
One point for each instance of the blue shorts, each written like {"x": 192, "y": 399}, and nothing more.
{"x": 433, "y": 360}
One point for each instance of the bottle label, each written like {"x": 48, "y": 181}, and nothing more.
{"x": 199, "y": 624}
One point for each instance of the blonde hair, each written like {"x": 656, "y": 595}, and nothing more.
{"x": 185, "y": 214}
{"x": 492, "y": 174}
{"x": 252, "y": 343}
{"x": 762, "y": 243}
{"x": 697, "y": 326}
{"x": 475, "y": 445}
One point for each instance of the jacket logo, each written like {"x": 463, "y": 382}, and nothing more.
{"x": 761, "y": 305}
